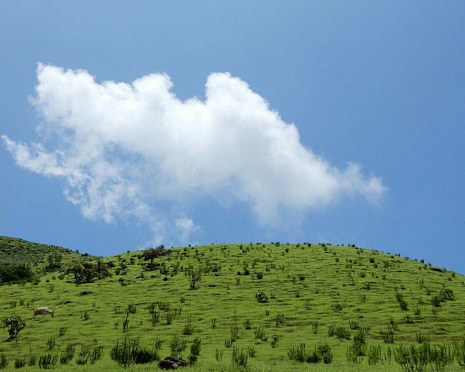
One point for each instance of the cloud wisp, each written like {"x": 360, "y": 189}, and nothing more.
{"x": 127, "y": 149}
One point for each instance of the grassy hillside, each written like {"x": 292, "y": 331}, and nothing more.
{"x": 352, "y": 300}
{"x": 15, "y": 251}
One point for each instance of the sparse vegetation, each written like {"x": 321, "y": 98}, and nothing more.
{"x": 311, "y": 289}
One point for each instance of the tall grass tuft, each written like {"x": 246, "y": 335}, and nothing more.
{"x": 127, "y": 353}
{"x": 47, "y": 361}
{"x": 3, "y": 361}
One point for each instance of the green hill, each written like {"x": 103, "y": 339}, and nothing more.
{"x": 15, "y": 251}
{"x": 264, "y": 306}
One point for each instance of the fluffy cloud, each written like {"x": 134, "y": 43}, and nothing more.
{"x": 125, "y": 149}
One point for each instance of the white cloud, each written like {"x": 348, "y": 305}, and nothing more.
{"x": 125, "y": 148}
{"x": 186, "y": 226}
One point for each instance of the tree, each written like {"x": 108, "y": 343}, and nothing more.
{"x": 16, "y": 274}
{"x": 194, "y": 277}
{"x": 15, "y": 324}
{"x": 86, "y": 272}
{"x": 152, "y": 253}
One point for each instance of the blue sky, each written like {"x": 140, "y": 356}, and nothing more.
{"x": 130, "y": 124}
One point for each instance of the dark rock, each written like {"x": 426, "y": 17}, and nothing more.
{"x": 38, "y": 299}
{"x": 85, "y": 293}
{"x": 136, "y": 277}
{"x": 172, "y": 363}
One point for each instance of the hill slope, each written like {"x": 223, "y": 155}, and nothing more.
{"x": 317, "y": 295}
{"x": 15, "y": 251}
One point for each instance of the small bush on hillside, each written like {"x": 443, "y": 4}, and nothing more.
{"x": 260, "y": 334}
{"x": 20, "y": 362}
{"x": 32, "y": 361}
{"x": 374, "y": 355}
{"x": 459, "y": 349}
{"x": 261, "y": 297}
{"x": 234, "y": 332}
{"x": 47, "y": 361}
{"x": 195, "y": 351}
{"x": 357, "y": 350}
{"x": 15, "y": 324}
{"x": 320, "y": 353}
{"x": 51, "y": 343}
{"x": 129, "y": 352}
{"x": 67, "y": 355}
{"x": 436, "y": 301}
{"x": 194, "y": 277}
{"x": 340, "y": 332}
{"x": 280, "y": 320}
{"x": 177, "y": 345}
{"x": 239, "y": 357}
{"x": 3, "y": 361}
{"x": 388, "y": 336}
{"x": 188, "y": 327}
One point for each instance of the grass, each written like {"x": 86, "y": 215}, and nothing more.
{"x": 349, "y": 288}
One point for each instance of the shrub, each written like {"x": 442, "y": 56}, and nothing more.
{"x": 388, "y": 336}
{"x": 129, "y": 352}
{"x": 219, "y": 355}
{"x": 353, "y": 325}
{"x": 315, "y": 327}
{"x": 261, "y": 297}
{"x": 14, "y": 324}
{"x": 459, "y": 349}
{"x": 446, "y": 294}
{"x": 320, "y": 353}
{"x": 239, "y": 357}
{"x": 297, "y": 353}
{"x": 32, "y": 361}
{"x": 325, "y": 352}
{"x": 96, "y": 354}
{"x": 51, "y": 343}
{"x": 195, "y": 347}
{"x": 374, "y": 355}
{"x": 177, "y": 345}
{"x": 234, "y": 332}
{"x": 402, "y": 303}
{"x": 274, "y": 341}
{"x": 47, "y": 361}
{"x": 260, "y": 334}
{"x": 417, "y": 358}
{"x": 358, "y": 348}
{"x": 20, "y": 362}
{"x": 194, "y": 277}
{"x": 16, "y": 274}
{"x": 340, "y": 332}
{"x": 436, "y": 301}
{"x": 280, "y": 320}
{"x": 67, "y": 355}
{"x": 3, "y": 361}
{"x": 188, "y": 327}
